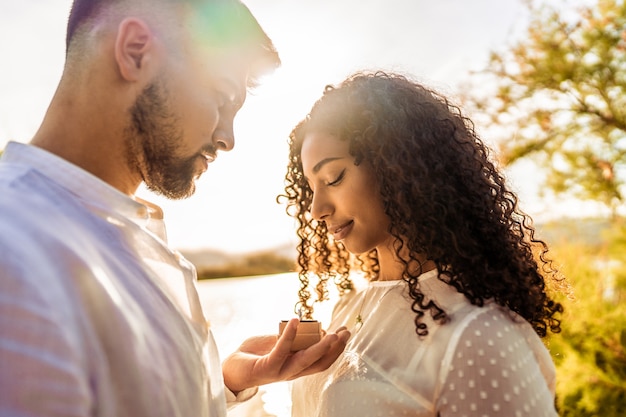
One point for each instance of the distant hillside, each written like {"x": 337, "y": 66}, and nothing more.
{"x": 218, "y": 264}
{"x": 212, "y": 263}
{"x": 574, "y": 230}
{"x": 208, "y": 257}
{"x": 203, "y": 258}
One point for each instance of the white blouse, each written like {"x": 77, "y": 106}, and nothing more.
{"x": 483, "y": 362}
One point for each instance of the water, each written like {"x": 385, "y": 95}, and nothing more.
{"x": 238, "y": 308}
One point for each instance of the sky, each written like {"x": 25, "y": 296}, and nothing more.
{"x": 320, "y": 42}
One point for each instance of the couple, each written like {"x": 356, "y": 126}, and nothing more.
{"x": 98, "y": 316}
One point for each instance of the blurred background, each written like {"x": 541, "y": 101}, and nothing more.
{"x": 320, "y": 42}
{"x": 542, "y": 80}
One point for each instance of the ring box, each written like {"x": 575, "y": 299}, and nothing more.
{"x": 309, "y": 332}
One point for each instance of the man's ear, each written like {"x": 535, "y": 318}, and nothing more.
{"x": 133, "y": 47}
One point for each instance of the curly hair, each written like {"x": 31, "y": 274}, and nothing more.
{"x": 442, "y": 194}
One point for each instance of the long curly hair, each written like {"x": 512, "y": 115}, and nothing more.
{"x": 443, "y": 195}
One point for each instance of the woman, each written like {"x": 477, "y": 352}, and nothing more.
{"x": 389, "y": 179}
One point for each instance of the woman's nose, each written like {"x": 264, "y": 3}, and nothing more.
{"x": 321, "y": 207}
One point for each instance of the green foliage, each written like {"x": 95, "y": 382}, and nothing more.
{"x": 590, "y": 352}
{"x": 558, "y": 95}
{"x": 264, "y": 263}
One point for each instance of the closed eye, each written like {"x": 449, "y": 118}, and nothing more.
{"x": 338, "y": 179}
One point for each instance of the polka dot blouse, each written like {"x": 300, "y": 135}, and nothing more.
{"x": 483, "y": 362}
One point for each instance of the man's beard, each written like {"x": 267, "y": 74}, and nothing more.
{"x": 153, "y": 141}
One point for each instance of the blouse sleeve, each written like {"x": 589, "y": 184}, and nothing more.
{"x": 495, "y": 369}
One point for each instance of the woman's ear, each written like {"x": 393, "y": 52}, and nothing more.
{"x": 134, "y": 45}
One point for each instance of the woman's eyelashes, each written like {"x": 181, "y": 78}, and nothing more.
{"x": 337, "y": 180}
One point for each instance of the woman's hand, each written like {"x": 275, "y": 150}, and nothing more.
{"x": 262, "y": 360}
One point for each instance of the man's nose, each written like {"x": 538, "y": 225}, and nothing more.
{"x": 224, "y": 136}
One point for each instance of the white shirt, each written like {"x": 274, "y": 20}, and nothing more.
{"x": 98, "y": 317}
{"x": 481, "y": 363}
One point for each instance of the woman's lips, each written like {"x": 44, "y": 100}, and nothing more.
{"x": 342, "y": 231}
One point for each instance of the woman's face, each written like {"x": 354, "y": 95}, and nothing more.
{"x": 345, "y": 196}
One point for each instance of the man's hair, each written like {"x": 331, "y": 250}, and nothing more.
{"x": 228, "y": 24}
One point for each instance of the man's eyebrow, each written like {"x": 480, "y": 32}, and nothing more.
{"x": 323, "y": 162}
{"x": 239, "y": 93}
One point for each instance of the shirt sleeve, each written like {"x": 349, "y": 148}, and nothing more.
{"x": 36, "y": 349}
{"x": 494, "y": 371}
{"x": 233, "y": 400}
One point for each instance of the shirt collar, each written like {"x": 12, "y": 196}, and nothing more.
{"x": 86, "y": 186}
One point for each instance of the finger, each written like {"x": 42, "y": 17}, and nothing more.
{"x": 341, "y": 329}
{"x": 258, "y": 345}
{"x": 336, "y": 348}
{"x": 306, "y": 358}
{"x": 285, "y": 341}
{"x": 324, "y": 332}
{"x": 344, "y": 334}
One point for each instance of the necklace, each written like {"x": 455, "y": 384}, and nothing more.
{"x": 358, "y": 322}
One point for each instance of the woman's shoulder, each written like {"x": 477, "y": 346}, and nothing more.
{"x": 489, "y": 325}
{"x": 496, "y": 354}
{"x": 492, "y": 335}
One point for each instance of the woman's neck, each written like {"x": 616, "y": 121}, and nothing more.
{"x": 392, "y": 268}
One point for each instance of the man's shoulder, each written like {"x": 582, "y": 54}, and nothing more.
{"x": 36, "y": 215}
{"x": 22, "y": 203}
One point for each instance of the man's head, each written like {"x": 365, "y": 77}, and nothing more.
{"x": 180, "y": 69}
{"x": 223, "y": 24}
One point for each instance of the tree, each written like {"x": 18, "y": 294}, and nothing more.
{"x": 590, "y": 353}
{"x": 558, "y": 97}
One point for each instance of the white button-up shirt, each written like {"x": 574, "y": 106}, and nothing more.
{"x": 98, "y": 317}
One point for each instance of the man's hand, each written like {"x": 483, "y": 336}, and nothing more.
{"x": 265, "y": 359}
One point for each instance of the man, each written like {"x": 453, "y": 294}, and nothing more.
{"x": 98, "y": 317}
